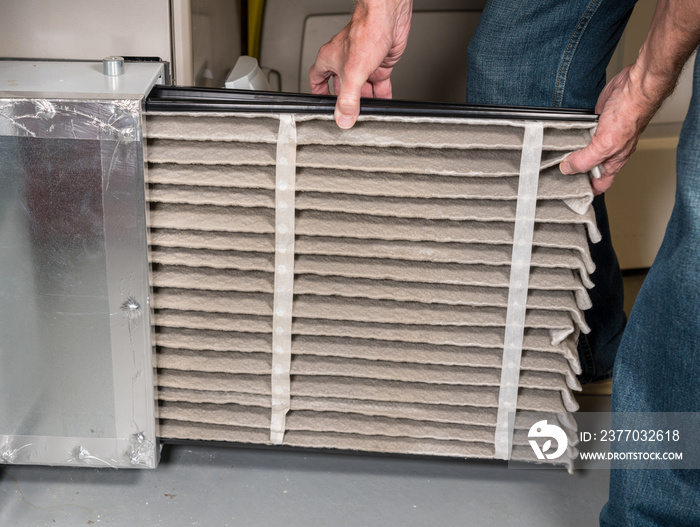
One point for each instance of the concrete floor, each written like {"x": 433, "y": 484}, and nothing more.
{"x": 223, "y": 486}
{"x": 211, "y": 486}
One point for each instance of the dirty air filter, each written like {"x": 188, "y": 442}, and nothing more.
{"x": 365, "y": 289}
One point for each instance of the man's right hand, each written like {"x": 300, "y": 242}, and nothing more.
{"x": 631, "y": 99}
{"x": 359, "y": 60}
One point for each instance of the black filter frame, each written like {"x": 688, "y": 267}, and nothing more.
{"x": 192, "y": 99}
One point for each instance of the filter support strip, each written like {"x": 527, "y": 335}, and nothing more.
{"x": 284, "y": 276}
{"x": 517, "y": 291}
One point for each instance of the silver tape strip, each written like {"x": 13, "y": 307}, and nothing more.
{"x": 284, "y": 276}
{"x": 517, "y": 290}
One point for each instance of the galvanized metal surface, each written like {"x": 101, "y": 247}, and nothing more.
{"x": 76, "y": 372}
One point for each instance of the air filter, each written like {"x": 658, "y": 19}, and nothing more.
{"x": 400, "y": 287}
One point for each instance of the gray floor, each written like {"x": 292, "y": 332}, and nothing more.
{"x": 220, "y": 486}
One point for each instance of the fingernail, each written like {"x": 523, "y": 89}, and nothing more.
{"x": 345, "y": 121}
{"x": 565, "y": 167}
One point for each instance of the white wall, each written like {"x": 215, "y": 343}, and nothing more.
{"x": 85, "y": 29}
{"x": 205, "y": 33}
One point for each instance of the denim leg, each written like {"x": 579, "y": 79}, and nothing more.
{"x": 544, "y": 52}
{"x": 554, "y": 53}
{"x": 658, "y": 364}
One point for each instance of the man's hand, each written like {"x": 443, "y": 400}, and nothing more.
{"x": 359, "y": 60}
{"x": 631, "y": 98}
{"x": 623, "y": 117}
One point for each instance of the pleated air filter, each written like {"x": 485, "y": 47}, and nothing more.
{"x": 399, "y": 287}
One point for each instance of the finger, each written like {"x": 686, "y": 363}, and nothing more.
{"x": 382, "y": 89}
{"x": 582, "y": 160}
{"x": 321, "y": 88}
{"x": 602, "y": 185}
{"x": 611, "y": 168}
{"x": 320, "y": 74}
{"x": 319, "y": 80}
{"x": 347, "y": 107}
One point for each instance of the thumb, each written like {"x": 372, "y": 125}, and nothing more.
{"x": 347, "y": 106}
{"x": 582, "y": 161}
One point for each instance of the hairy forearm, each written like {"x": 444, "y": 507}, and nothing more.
{"x": 672, "y": 37}
{"x": 388, "y": 19}
{"x": 365, "y": 7}
{"x": 633, "y": 96}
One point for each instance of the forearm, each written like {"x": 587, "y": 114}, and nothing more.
{"x": 632, "y": 97}
{"x": 388, "y": 7}
{"x": 672, "y": 37}
{"x": 386, "y": 11}
{"x": 381, "y": 24}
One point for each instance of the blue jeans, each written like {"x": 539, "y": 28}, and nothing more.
{"x": 658, "y": 364}
{"x": 554, "y": 53}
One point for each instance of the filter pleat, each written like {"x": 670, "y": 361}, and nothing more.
{"x": 402, "y": 245}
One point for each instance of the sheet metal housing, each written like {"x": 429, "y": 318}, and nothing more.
{"x": 76, "y": 372}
